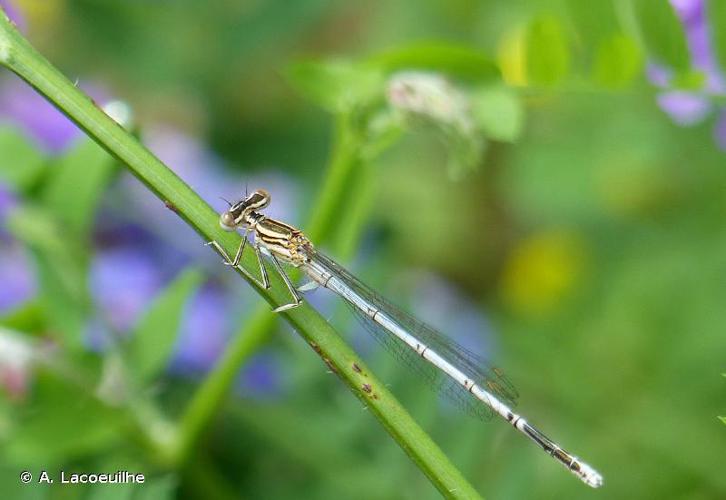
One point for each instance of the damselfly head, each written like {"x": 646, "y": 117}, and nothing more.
{"x": 237, "y": 214}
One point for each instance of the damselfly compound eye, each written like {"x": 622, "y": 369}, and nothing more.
{"x": 226, "y": 221}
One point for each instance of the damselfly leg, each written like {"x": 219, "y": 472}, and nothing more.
{"x": 228, "y": 261}
{"x": 290, "y": 287}
{"x": 265, "y": 282}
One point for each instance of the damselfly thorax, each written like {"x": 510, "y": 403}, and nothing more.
{"x": 273, "y": 237}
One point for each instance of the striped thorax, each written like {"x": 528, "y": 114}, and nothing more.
{"x": 276, "y": 237}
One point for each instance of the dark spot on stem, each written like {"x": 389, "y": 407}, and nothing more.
{"x": 367, "y": 388}
{"x": 356, "y": 368}
{"x": 171, "y": 206}
{"x": 316, "y": 348}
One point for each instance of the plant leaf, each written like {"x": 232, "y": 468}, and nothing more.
{"x": 336, "y": 85}
{"x": 61, "y": 265}
{"x": 662, "y": 33}
{"x": 62, "y": 422}
{"x": 155, "y": 335}
{"x": 716, "y": 16}
{"x": 27, "y": 318}
{"x": 21, "y": 164}
{"x": 498, "y": 112}
{"x": 593, "y": 22}
{"x": 548, "y": 56}
{"x": 618, "y": 61}
{"x": 458, "y": 61}
{"x": 76, "y": 184}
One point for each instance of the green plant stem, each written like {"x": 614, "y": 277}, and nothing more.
{"x": 19, "y": 56}
{"x": 210, "y": 396}
{"x": 344, "y": 159}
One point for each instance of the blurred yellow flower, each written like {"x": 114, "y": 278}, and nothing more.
{"x": 541, "y": 271}
{"x": 42, "y": 16}
{"x": 511, "y": 56}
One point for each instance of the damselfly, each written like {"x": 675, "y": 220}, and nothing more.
{"x": 461, "y": 374}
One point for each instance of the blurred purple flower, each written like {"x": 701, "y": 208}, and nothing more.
{"x": 16, "y": 276}
{"x": 17, "y": 280}
{"x": 204, "y": 333}
{"x": 22, "y": 106}
{"x": 261, "y": 376}
{"x": 692, "y": 107}
{"x": 204, "y": 330}
{"x": 684, "y": 108}
{"x": 658, "y": 75}
{"x": 124, "y": 280}
{"x": 8, "y": 201}
{"x": 693, "y": 16}
{"x": 130, "y": 268}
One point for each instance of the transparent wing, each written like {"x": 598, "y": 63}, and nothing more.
{"x": 475, "y": 367}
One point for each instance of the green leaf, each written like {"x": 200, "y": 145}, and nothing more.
{"x": 716, "y": 16}
{"x": 61, "y": 265}
{"x": 336, "y": 85}
{"x": 548, "y": 56}
{"x": 618, "y": 61}
{"x": 21, "y": 163}
{"x": 498, "y": 112}
{"x": 62, "y": 422}
{"x": 27, "y": 318}
{"x": 722, "y": 419}
{"x": 592, "y": 21}
{"x": 459, "y": 61}
{"x": 76, "y": 184}
{"x": 155, "y": 336}
{"x": 662, "y": 33}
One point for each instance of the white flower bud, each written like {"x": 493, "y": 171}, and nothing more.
{"x": 430, "y": 96}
